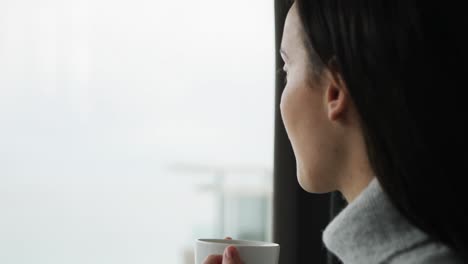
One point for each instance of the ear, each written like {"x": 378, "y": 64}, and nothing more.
{"x": 336, "y": 97}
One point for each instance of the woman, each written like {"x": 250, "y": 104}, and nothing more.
{"x": 373, "y": 109}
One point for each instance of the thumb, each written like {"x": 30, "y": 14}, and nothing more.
{"x": 231, "y": 256}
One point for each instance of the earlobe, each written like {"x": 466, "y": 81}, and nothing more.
{"x": 337, "y": 99}
{"x": 336, "y": 107}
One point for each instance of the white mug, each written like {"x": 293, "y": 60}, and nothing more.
{"x": 251, "y": 252}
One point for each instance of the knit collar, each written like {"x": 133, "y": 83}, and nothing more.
{"x": 370, "y": 229}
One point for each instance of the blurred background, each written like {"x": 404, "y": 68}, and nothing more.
{"x": 130, "y": 128}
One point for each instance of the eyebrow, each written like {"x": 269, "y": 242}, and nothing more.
{"x": 284, "y": 53}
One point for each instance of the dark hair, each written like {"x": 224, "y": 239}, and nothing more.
{"x": 404, "y": 63}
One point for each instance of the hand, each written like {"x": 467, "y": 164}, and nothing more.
{"x": 230, "y": 256}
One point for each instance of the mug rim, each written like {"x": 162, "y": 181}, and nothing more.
{"x": 237, "y": 242}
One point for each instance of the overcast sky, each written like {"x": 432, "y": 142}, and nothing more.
{"x": 99, "y": 91}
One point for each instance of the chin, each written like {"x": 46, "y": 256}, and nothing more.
{"x": 313, "y": 182}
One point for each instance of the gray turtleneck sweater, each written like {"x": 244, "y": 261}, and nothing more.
{"x": 370, "y": 230}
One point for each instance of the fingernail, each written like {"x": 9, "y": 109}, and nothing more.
{"x": 230, "y": 252}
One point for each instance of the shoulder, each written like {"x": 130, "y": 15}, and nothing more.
{"x": 427, "y": 253}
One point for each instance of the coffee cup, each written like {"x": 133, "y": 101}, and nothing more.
{"x": 251, "y": 252}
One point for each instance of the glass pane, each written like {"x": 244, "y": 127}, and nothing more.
{"x": 131, "y": 128}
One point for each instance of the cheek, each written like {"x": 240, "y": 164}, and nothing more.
{"x": 307, "y": 130}
{"x": 298, "y": 108}
{"x": 297, "y": 117}
{"x": 286, "y": 107}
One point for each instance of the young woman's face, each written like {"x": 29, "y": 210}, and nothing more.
{"x": 304, "y": 112}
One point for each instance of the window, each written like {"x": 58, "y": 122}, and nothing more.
{"x": 130, "y": 128}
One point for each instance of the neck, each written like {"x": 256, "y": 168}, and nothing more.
{"x": 355, "y": 185}
{"x": 358, "y": 170}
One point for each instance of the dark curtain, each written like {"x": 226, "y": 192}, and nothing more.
{"x": 299, "y": 217}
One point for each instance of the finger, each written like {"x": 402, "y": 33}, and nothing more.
{"x": 231, "y": 256}
{"x": 213, "y": 259}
